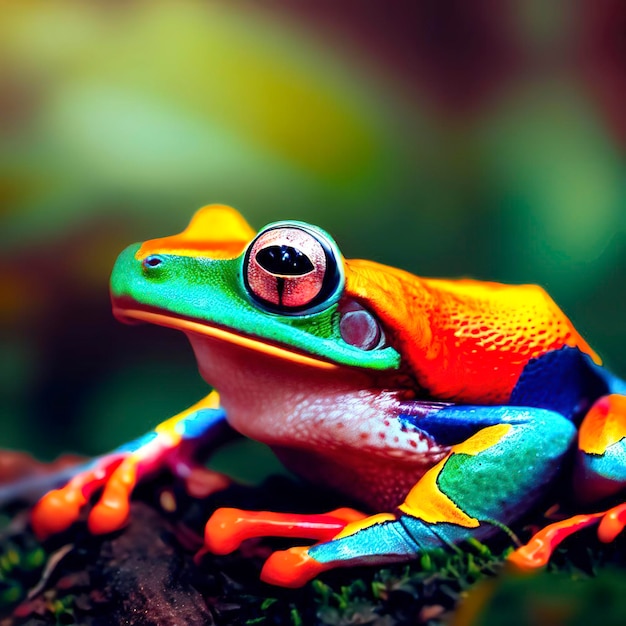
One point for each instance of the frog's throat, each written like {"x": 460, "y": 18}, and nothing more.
{"x": 224, "y": 335}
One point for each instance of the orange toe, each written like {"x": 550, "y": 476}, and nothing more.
{"x": 108, "y": 515}
{"x": 56, "y": 511}
{"x": 612, "y": 523}
{"x": 292, "y": 568}
{"x": 225, "y": 530}
{"x": 537, "y": 552}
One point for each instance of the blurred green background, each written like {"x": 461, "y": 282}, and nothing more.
{"x": 480, "y": 139}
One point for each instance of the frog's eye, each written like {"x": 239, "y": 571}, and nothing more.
{"x": 290, "y": 269}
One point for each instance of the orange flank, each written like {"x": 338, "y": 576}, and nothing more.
{"x": 467, "y": 341}
{"x": 428, "y": 503}
{"x": 604, "y": 425}
{"x": 215, "y": 231}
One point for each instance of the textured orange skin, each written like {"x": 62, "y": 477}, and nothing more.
{"x": 465, "y": 341}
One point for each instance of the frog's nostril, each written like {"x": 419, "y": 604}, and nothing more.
{"x": 152, "y": 261}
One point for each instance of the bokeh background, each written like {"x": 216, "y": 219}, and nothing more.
{"x": 452, "y": 138}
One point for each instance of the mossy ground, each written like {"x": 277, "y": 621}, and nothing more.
{"x": 80, "y": 579}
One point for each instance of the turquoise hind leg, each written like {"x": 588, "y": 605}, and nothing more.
{"x": 487, "y": 480}
{"x": 174, "y": 444}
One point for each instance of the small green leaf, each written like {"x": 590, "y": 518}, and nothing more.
{"x": 296, "y": 619}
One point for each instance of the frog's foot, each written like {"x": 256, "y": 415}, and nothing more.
{"x": 171, "y": 445}
{"x": 116, "y": 474}
{"x": 344, "y": 537}
{"x": 228, "y": 528}
{"x": 537, "y": 552}
{"x": 60, "y": 508}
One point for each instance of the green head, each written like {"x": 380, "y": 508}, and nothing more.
{"x": 281, "y": 291}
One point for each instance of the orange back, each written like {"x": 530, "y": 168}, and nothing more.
{"x": 466, "y": 341}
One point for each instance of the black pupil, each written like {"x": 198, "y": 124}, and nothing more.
{"x": 285, "y": 260}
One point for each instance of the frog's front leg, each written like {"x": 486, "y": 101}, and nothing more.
{"x": 174, "y": 444}
{"x": 510, "y": 456}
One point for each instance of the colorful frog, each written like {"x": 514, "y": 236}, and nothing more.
{"x": 446, "y": 407}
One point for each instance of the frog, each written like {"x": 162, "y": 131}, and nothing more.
{"x": 446, "y": 408}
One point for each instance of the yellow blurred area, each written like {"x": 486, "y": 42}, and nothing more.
{"x": 161, "y": 94}
{"x": 447, "y": 139}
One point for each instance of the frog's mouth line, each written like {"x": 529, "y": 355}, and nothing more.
{"x": 186, "y": 325}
